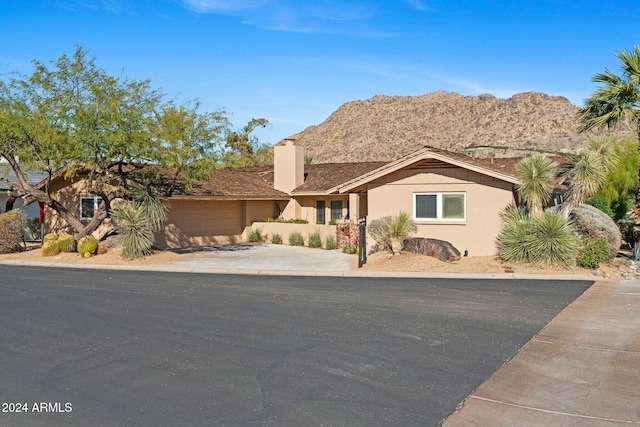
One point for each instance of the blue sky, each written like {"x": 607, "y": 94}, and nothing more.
{"x": 294, "y": 62}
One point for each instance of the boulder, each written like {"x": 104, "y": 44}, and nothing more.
{"x": 592, "y": 222}
{"x": 440, "y": 249}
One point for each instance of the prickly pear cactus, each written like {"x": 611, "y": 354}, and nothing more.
{"x": 87, "y": 245}
{"x": 49, "y": 236}
{"x": 50, "y": 248}
{"x": 65, "y": 241}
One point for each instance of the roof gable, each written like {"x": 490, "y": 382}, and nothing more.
{"x": 502, "y": 169}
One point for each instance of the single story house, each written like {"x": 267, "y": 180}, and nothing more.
{"x": 452, "y": 197}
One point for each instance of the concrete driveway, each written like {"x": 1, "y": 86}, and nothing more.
{"x": 250, "y": 256}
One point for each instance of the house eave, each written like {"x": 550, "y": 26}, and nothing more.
{"x": 227, "y": 198}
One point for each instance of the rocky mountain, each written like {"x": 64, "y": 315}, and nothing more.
{"x": 385, "y": 128}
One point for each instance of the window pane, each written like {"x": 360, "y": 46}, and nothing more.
{"x": 453, "y": 206}
{"x": 320, "y": 211}
{"x": 426, "y": 206}
{"x": 87, "y": 207}
{"x": 336, "y": 209}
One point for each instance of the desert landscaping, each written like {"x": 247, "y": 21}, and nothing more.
{"x": 377, "y": 262}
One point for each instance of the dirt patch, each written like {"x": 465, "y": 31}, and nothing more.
{"x": 408, "y": 261}
{"x": 112, "y": 257}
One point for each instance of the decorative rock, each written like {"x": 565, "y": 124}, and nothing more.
{"x": 440, "y": 249}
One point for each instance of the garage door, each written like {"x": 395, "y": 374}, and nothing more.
{"x": 200, "y": 223}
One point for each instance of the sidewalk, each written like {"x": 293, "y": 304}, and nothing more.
{"x": 581, "y": 370}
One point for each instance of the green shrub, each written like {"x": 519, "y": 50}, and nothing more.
{"x": 553, "y": 240}
{"x": 134, "y": 230}
{"x": 331, "y": 243}
{"x": 296, "y": 239}
{"x": 315, "y": 240}
{"x": 627, "y": 228}
{"x": 350, "y": 249}
{"x": 384, "y": 229}
{"x": 600, "y": 202}
{"x": 255, "y": 235}
{"x": 12, "y": 226}
{"x": 276, "y": 238}
{"x": 592, "y": 252}
{"x": 333, "y": 222}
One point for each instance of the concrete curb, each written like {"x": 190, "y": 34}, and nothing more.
{"x": 170, "y": 268}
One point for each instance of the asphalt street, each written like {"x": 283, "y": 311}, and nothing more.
{"x": 126, "y": 348}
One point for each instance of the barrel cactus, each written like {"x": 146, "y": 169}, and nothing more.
{"x": 87, "y": 246}
{"x": 65, "y": 241}
{"x": 50, "y": 236}
{"x": 50, "y": 248}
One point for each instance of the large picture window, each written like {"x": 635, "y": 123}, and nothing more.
{"x": 440, "y": 206}
{"x": 89, "y": 206}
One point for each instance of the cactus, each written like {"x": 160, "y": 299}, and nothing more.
{"x": 65, "y": 241}
{"x": 50, "y": 248}
{"x": 50, "y": 236}
{"x": 87, "y": 245}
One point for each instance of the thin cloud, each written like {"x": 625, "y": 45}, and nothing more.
{"x": 327, "y": 16}
{"x": 215, "y": 6}
{"x": 418, "y": 4}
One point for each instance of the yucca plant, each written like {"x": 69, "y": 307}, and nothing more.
{"x": 553, "y": 240}
{"x": 514, "y": 239}
{"x": 536, "y": 187}
{"x": 587, "y": 173}
{"x": 276, "y": 239}
{"x": 134, "y": 230}
{"x": 153, "y": 204}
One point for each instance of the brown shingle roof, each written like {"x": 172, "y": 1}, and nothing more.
{"x": 322, "y": 177}
{"x": 241, "y": 183}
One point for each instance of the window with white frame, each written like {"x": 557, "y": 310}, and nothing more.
{"x": 89, "y": 206}
{"x": 440, "y": 206}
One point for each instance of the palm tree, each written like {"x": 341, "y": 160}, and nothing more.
{"x": 536, "y": 174}
{"x": 618, "y": 98}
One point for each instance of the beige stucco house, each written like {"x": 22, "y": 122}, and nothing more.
{"x": 450, "y": 196}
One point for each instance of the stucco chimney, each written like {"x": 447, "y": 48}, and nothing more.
{"x": 288, "y": 166}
